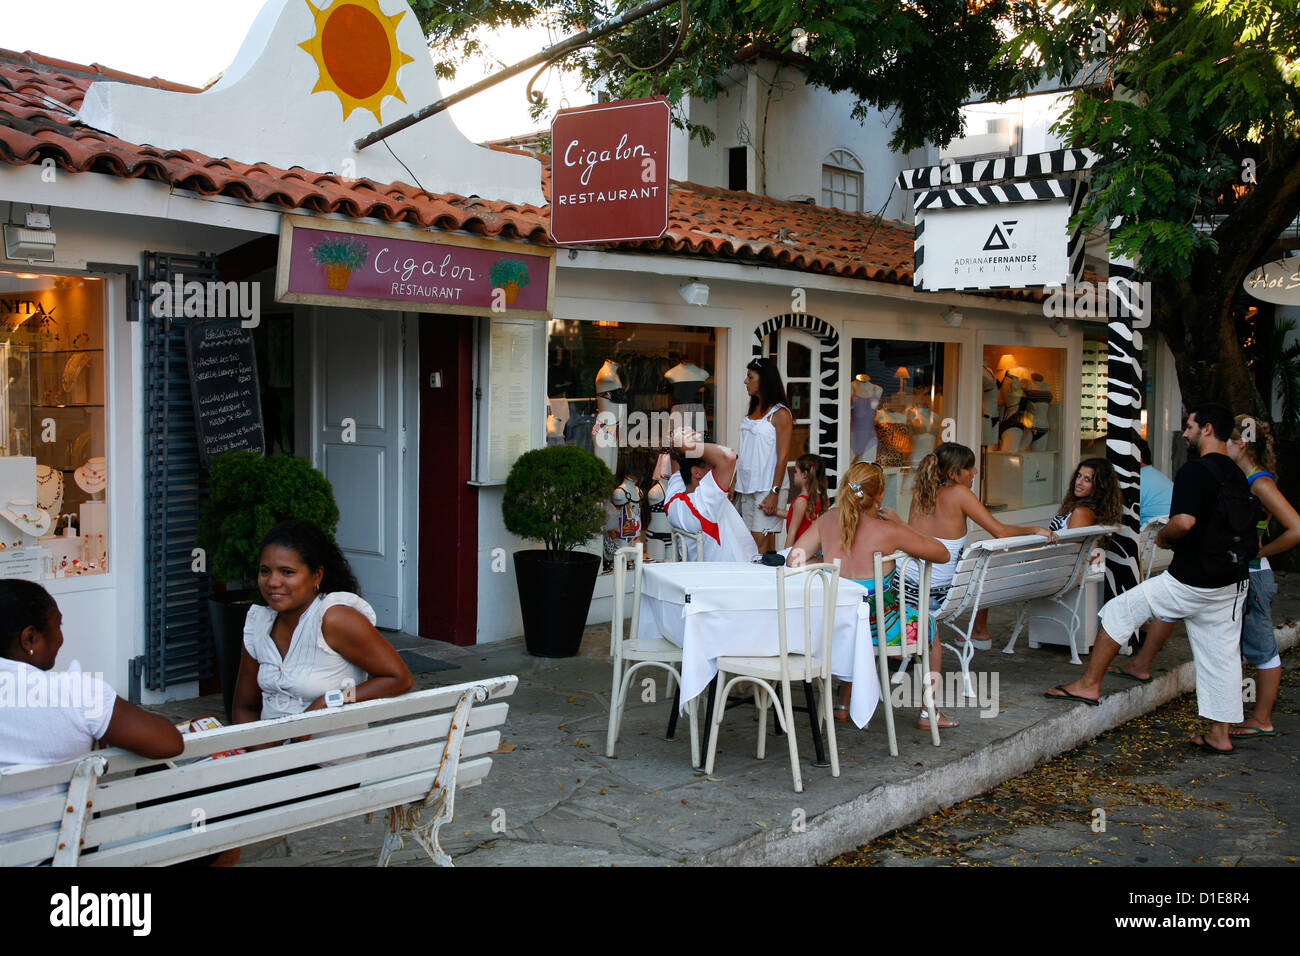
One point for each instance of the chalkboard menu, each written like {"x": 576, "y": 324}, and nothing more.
{"x": 223, "y": 383}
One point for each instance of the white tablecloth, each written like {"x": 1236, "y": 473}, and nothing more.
{"x": 721, "y": 609}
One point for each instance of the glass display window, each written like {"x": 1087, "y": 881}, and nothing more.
{"x": 901, "y": 395}
{"x": 1020, "y": 424}
{"x": 53, "y": 443}
{"x": 1093, "y": 397}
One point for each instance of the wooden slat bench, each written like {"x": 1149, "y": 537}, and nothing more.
{"x": 1000, "y": 571}
{"x": 405, "y": 754}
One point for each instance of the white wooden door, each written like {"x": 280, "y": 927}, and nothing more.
{"x": 799, "y": 359}
{"x": 358, "y": 442}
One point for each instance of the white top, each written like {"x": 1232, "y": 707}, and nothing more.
{"x": 756, "y": 458}
{"x": 940, "y": 574}
{"x": 47, "y": 717}
{"x": 311, "y": 667}
{"x": 736, "y": 543}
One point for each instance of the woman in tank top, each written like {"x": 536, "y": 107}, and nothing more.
{"x": 1092, "y": 498}
{"x": 941, "y": 504}
{"x": 764, "y": 450}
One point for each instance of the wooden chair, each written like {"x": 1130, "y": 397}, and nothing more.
{"x": 905, "y": 649}
{"x": 784, "y": 667}
{"x": 640, "y": 653}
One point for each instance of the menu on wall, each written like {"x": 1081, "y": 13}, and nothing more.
{"x": 223, "y": 384}
{"x": 510, "y": 378}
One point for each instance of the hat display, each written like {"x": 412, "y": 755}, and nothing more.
{"x": 26, "y": 517}
{"x": 92, "y": 477}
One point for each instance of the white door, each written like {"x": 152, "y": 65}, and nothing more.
{"x": 799, "y": 359}
{"x": 358, "y": 443}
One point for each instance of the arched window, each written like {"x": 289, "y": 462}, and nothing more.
{"x": 842, "y": 181}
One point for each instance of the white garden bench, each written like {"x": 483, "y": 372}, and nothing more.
{"x": 1000, "y": 571}
{"x": 405, "y": 754}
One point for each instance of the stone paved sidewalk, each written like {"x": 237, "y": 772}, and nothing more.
{"x": 553, "y": 798}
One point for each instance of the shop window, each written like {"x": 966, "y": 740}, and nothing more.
{"x": 1021, "y": 423}
{"x": 53, "y": 476}
{"x": 903, "y": 402}
{"x": 842, "y": 181}
{"x": 644, "y": 378}
{"x": 1092, "y": 402}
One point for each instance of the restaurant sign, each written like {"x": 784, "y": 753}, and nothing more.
{"x": 609, "y": 171}
{"x": 1277, "y": 281}
{"x": 381, "y": 267}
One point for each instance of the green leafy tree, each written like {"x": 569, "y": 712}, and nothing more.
{"x": 554, "y": 495}
{"x": 248, "y": 494}
{"x": 1195, "y": 109}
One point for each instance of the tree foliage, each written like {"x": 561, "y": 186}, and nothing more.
{"x": 555, "y": 495}
{"x": 248, "y": 494}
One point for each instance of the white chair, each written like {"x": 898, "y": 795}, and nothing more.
{"x": 1151, "y": 558}
{"x": 905, "y": 649}
{"x": 639, "y": 652}
{"x": 785, "y": 667}
{"x": 680, "y": 551}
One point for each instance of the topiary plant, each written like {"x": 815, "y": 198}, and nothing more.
{"x": 554, "y": 495}
{"x": 247, "y": 495}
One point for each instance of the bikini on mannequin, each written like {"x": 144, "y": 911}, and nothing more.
{"x": 611, "y": 414}
{"x": 623, "y": 528}
{"x": 660, "y": 531}
{"x": 989, "y": 409}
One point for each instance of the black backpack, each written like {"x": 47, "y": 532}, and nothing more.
{"x": 1232, "y": 540}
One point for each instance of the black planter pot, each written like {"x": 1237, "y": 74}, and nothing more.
{"x": 227, "y": 612}
{"x": 555, "y": 589}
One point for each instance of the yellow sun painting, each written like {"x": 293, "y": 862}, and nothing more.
{"x": 355, "y": 47}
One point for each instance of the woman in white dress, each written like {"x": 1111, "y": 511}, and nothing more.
{"x": 314, "y": 636}
{"x": 765, "y": 434}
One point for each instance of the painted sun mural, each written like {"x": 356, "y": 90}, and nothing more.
{"x": 356, "y": 49}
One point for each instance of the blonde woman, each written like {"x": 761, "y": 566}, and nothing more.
{"x": 941, "y": 504}
{"x": 854, "y": 531}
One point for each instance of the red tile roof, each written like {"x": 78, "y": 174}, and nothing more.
{"x": 39, "y": 97}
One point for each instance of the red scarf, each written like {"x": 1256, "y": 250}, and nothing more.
{"x": 708, "y": 527}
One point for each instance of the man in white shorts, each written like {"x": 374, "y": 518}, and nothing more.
{"x": 696, "y": 500}
{"x": 1202, "y": 587}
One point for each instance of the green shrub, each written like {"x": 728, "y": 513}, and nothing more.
{"x": 554, "y": 495}
{"x": 249, "y": 494}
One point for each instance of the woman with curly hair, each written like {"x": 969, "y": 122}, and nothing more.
{"x": 1092, "y": 498}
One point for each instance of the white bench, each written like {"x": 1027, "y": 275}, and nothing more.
{"x": 405, "y": 754}
{"x": 1017, "y": 570}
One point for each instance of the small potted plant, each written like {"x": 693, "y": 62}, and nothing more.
{"x": 338, "y": 259}
{"x": 556, "y": 496}
{"x": 248, "y": 494}
{"x": 510, "y": 275}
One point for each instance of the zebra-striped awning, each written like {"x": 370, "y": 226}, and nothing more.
{"x": 1007, "y": 167}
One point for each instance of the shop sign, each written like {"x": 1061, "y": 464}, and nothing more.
{"x": 1277, "y": 281}
{"x": 609, "y": 171}
{"x": 1012, "y": 243}
{"x": 356, "y": 264}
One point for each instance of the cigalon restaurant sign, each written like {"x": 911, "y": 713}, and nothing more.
{"x": 382, "y": 267}
{"x": 1277, "y": 281}
{"x": 609, "y": 171}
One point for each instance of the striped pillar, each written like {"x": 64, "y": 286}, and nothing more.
{"x": 1123, "y": 416}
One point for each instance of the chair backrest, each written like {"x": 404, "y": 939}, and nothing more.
{"x": 359, "y": 758}
{"x": 681, "y": 537}
{"x": 1147, "y": 558}
{"x": 826, "y": 574}
{"x": 625, "y": 559}
{"x": 916, "y": 600}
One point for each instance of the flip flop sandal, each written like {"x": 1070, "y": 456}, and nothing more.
{"x": 1066, "y": 695}
{"x": 1200, "y": 741}
{"x": 1120, "y": 672}
{"x": 1249, "y": 733}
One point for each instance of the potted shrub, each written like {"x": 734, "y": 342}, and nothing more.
{"x": 248, "y": 494}
{"x": 509, "y": 275}
{"x": 555, "y": 496}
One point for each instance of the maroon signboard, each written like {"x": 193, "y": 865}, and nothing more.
{"x": 381, "y": 267}
{"x": 609, "y": 171}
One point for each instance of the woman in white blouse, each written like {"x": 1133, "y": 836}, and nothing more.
{"x": 314, "y": 643}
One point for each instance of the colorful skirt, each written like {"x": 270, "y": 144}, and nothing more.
{"x": 894, "y": 625}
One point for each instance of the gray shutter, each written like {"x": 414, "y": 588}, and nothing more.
{"x": 178, "y": 641}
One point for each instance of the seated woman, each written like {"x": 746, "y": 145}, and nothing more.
{"x": 1092, "y": 498}
{"x": 314, "y": 635}
{"x": 942, "y": 503}
{"x": 854, "y": 531}
{"x": 79, "y": 708}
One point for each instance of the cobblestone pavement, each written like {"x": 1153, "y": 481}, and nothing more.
{"x": 1131, "y": 797}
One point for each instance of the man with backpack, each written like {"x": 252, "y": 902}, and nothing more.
{"x": 1212, "y": 516}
